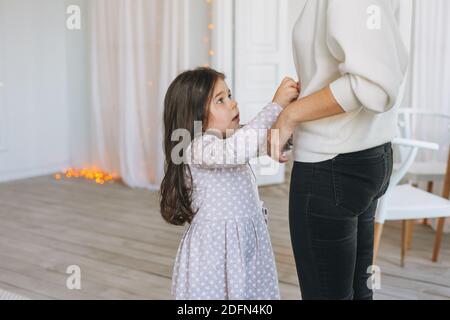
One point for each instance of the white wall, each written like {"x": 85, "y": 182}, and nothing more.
{"x": 33, "y": 102}
{"x": 78, "y": 84}
{"x": 45, "y": 119}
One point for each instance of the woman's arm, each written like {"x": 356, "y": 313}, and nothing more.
{"x": 372, "y": 60}
{"x": 319, "y": 105}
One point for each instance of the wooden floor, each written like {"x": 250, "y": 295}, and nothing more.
{"x": 126, "y": 251}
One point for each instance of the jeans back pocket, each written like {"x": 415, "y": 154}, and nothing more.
{"x": 357, "y": 180}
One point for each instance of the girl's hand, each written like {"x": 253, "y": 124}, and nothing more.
{"x": 288, "y": 91}
{"x": 279, "y": 135}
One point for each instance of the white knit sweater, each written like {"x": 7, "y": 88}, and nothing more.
{"x": 355, "y": 47}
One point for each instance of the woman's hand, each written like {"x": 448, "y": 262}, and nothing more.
{"x": 319, "y": 105}
{"x": 288, "y": 91}
{"x": 279, "y": 135}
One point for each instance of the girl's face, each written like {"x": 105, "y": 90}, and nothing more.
{"x": 223, "y": 110}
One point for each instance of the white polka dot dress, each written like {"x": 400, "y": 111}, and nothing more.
{"x": 226, "y": 253}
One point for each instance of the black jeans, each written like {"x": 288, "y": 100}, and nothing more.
{"x": 332, "y": 208}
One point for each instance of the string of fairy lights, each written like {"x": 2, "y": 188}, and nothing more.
{"x": 211, "y": 27}
{"x": 101, "y": 177}
{"x": 92, "y": 174}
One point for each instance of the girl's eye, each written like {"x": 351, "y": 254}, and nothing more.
{"x": 220, "y": 101}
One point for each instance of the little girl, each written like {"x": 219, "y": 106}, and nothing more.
{"x": 226, "y": 253}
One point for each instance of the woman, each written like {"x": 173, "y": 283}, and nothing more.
{"x": 351, "y": 62}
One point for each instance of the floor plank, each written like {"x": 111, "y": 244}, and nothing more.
{"x": 126, "y": 251}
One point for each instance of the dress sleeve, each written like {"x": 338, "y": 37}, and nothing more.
{"x": 249, "y": 142}
{"x": 373, "y": 58}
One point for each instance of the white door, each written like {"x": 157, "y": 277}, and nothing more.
{"x": 263, "y": 57}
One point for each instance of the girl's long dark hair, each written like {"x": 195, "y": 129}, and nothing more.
{"x": 186, "y": 101}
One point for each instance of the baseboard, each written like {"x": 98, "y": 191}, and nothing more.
{"x": 27, "y": 173}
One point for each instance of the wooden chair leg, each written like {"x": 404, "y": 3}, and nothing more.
{"x": 409, "y": 233}
{"x": 438, "y": 240}
{"x": 405, "y": 232}
{"x": 377, "y": 239}
{"x": 441, "y": 221}
{"x": 430, "y": 190}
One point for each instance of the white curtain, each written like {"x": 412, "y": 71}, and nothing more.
{"x": 136, "y": 48}
{"x": 430, "y": 76}
{"x": 430, "y": 71}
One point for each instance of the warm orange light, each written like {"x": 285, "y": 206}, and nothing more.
{"x": 92, "y": 174}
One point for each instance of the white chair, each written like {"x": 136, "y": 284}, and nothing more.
{"x": 406, "y": 202}
{"x": 429, "y": 172}
{"x": 425, "y": 171}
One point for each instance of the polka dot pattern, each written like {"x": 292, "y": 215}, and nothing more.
{"x": 226, "y": 253}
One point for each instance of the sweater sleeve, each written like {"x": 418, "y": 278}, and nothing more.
{"x": 210, "y": 151}
{"x": 372, "y": 58}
